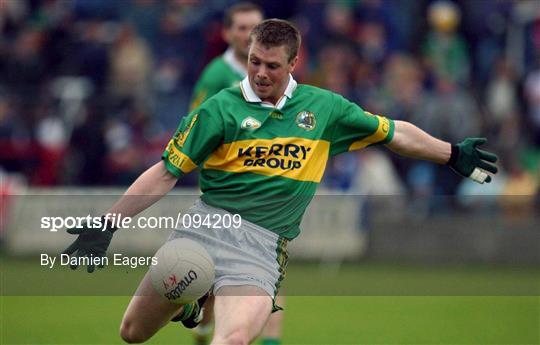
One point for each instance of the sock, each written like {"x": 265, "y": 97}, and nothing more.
{"x": 185, "y": 313}
{"x": 202, "y": 334}
{"x": 270, "y": 341}
{"x": 203, "y": 330}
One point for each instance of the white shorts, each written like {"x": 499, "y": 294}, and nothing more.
{"x": 249, "y": 255}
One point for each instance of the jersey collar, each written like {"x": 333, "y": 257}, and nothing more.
{"x": 251, "y": 97}
{"x": 230, "y": 60}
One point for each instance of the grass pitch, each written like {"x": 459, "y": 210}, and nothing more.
{"x": 389, "y": 318}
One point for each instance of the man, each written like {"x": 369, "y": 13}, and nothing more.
{"x": 230, "y": 68}
{"x": 262, "y": 149}
{"x": 225, "y": 71}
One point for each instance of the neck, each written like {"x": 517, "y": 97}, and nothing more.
{"x": 272, "y": 100}
{"x": 275, "y": 99}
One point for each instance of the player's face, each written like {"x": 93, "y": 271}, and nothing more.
{"x": 268, "y": 71}
{"x": 237, "y": 36}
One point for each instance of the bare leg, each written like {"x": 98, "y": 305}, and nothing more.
{"x": 146, "y": 313}
{"x": 202, "y": 333}
{"x": 240, "y": 313}
{"x": 274, "y": 326}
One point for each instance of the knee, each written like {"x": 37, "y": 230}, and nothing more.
{"x": 131, "y": 334}
{"x": 235, "y": 338}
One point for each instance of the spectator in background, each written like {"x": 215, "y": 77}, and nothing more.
{"x": 395, "y": 18}
{"x": 453, "y": 114}
{"x": 87, "y": 147}
{"x": 42, "y": 42}
{"x": 445, "y": 51}
{"x": 131, "y": 66}
{"x": 51, "y": 145}
{"x": 339, "y": 23}
{"x": 24, "y": 69}
{"x": 144, "y": 15}
{"x": 532, "y": 96}
{"x": 484, "y": 27}
{"x": 92, "y": 55}
{"x": 501, "y": 100}
{"x": 334, "y": 72}
{"x": 170, "y": 95}
{"x": 372, "y": 40}
{"x": 14, "y": 138}
{"x": 12, "y": 19}
{"x": 128, "y": 139}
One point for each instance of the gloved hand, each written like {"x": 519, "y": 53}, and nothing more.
{"x": 469, "y": 161}
{"x": 92, "y": 242}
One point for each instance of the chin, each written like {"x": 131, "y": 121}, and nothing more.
{"x": 261, "y": 95}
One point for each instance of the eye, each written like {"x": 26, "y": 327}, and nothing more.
{"x": 255, "y": 62}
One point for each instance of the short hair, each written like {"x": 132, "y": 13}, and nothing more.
{"x": 276, "y": 33}
{"x": 239, "y": 8}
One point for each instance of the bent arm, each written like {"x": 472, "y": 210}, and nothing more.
{"x": 411, "y": 141}
{"x": 150, "y": 187}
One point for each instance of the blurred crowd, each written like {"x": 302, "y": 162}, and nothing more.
{"x": 91, "y": 90}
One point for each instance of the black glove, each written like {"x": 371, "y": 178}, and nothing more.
{"x": 92, "y": 242}
{"x": 469, "y": 161}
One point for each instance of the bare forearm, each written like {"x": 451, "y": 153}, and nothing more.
{"x": 411, "y": 141}
{"x": 151, "y": 186}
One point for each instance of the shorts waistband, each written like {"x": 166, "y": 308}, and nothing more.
{"x": 205, "y": 208}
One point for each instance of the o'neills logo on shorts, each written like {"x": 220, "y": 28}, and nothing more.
{"x": 275, "y": 156}
{"x": 179, "y": 286}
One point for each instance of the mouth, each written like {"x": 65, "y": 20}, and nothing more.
{"x": 262, "y": 86}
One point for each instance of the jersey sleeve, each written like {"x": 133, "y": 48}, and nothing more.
{"x": 355, "y": 128}
{"x": 198, "y": 135}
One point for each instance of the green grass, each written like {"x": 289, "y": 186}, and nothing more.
{"x": 401, "y": 313}
{"x": 308, "y": 320}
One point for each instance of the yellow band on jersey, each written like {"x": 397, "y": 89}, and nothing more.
{"x": 178, "y": 159}
{"x": 382, "y": 132}
{"x": 295, "y": 158}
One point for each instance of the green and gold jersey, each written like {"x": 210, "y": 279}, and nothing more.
{"x": 264, "y": 162}
{"x": 221, "y": 73}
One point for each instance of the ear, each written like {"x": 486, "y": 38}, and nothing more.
{"x": 293, "y": 63}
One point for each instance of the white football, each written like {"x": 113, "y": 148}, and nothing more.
{"x": 184, "y": 271}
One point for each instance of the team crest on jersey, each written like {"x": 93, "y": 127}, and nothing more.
{"x": 250, "y": 123}
{"x": 306, "y": 120}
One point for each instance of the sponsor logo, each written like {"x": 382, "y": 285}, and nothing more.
{"x": 306, "y": 120}
{"x": 178, "y": 159}
{"x": 181, "y": 285}
{"x": 250, "y": 123}
{"x": 275, "y": 156}
{"x": 297, "y": 158}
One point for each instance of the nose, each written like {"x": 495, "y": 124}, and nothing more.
{"x": 261, "y": 73}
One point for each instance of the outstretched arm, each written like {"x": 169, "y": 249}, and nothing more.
{"x": 411, "y": 141}
{"x": 464, "y": 158}
{"x": 151, "y": 186}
